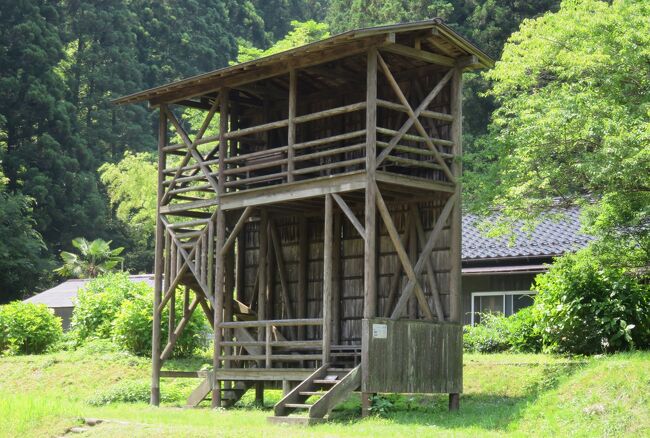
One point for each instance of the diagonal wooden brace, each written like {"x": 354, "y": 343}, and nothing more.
{"x": 350, "y": 215}
{"x": 418, "y": 126}
{"x": 403, "y": 256}
{"x": 426, "y": 251}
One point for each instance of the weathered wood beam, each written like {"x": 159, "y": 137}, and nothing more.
{"x": 426, "y": 251}
{"x": 246, "y": 214}
{"x": 282, "y": 270}
{"x": 403, "y": 256}
{"x": 350, "y": 215}
{"x": 431, "y": 274}
{"x": 420, "y": 55}
{"x": 395, "y": 280}
{"x": 158, "y": 265}
{"x": 291, "y": 133}
{"x": 327, "y": 279}
{"x": 455, "y": 290}
{"x": 414, "y": 118}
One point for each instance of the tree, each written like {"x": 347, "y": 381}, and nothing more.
{"x": 131, "y": 185}
{"x": 573, "y": 127}
{"x": 44, "y": 158}
{"x": 301, "y": 33}
{"x": 94, "y": 258}
{"x": 22, "y": 252}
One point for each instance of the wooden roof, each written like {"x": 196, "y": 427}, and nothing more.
{"x": 444, "y": 44}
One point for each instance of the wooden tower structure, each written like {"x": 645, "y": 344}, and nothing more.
{"x": 314, "y": 216}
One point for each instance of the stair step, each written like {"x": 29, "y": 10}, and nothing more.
{"x": 339, "y": 370}
{"x": 310, "y": 393}
{"x": 326, "y": 382}
{"x": 298, "y": 405}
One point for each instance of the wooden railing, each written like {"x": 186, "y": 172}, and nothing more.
{"x": 266, "y": 342}
{"x": 296, "y": 160}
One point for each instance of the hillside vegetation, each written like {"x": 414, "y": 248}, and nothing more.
{"x": 505, "y": 394}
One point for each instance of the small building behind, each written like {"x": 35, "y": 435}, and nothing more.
{"x": 61, "y": 298}
{"x": 498, "y": 273}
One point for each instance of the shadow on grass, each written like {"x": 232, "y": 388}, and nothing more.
{"x": 489, "y": 411}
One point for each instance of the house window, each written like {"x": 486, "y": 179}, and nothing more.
{"x": 505, "y": 303}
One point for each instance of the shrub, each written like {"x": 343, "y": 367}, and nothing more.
{"x": 99, "y": 302}
{"x": 133, "y": 325}
{"x": 524, "y": 334}
{"x": 28, "y": 328}
{"x": 585, "y": 308}
{"x": 490, "y": 336}
{"x": 518, "y": 333}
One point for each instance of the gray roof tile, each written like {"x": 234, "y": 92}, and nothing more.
{"x": 550, "y": 237}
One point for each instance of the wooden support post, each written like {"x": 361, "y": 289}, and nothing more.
{"x": 158, "y": 265}
{"x": 219, "y": 284}
{"x": 366, "y": 403}
{"x": 303, "y": 266}
{"x": 413, "y": 256}
{"x": 336, "y": 280}
{"x": 370, "y": 250}
{"x": 454, "y": 402}
{"x": 291, "y": 133}
{"x": 455, "y": 290}
{"x": 240, "y": 269}
{"x": 229, "y": 265}
{"x": 261, "y": 293}
{"x": 327, "y": 279}
{"x": 455, "y": 287}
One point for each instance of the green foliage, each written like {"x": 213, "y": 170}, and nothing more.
{"x": 518, "y": 333}
{"x": 300, "y": 34}
{"x": 134, "y": 322}
{"x": 99, "y": 302}
{"x": 133, "y": 391}
{"x": 490, "y": 336}
{"x": 586, "y": 308}
{"x": 574, "y": 122}
{"x": 94, "y": 258}
{"x": 22, "y": 257}
{"x": 27, "y": 328}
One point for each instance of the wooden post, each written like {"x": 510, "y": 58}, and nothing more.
{"x": 261, "y": 293}
{"x": 336, "y": 280}
{"x": 303, "y": 262}
{"x": 219, "y": 284}
{"x": 370, "y": 252}
{"x": 158, "y": 264}
{"x": 291, "y": 132}
{"x": 455, "y": 288}
{"x": 456, "y": 215}
{"x": 327, "y": 280}
{"x": 413, "y": 256}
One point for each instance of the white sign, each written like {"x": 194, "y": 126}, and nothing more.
{"x": 379, "y": 331}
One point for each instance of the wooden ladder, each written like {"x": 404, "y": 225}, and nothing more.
{"x": 327, "y": 386}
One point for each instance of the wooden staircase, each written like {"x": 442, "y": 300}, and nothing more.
{"x": 327, "y": 386}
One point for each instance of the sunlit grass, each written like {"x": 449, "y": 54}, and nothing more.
{"x": 516, "y": 395}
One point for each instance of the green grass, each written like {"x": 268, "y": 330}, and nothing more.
{"x": 505, "y": 394}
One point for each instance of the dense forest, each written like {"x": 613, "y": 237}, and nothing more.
{"x": 65, "y": 149}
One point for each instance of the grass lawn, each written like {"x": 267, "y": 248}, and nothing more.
{"x": 505, "y": 394}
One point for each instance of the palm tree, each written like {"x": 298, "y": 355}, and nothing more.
{"x": 94, "y": 258}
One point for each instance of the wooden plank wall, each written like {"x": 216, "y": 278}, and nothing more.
{"x": 350, "y": 268}
{"x": 415, "y": 357}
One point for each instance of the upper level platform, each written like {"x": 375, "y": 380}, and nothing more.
{"x": 378, "y": 105}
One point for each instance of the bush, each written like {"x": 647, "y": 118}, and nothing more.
{"x": 28, "y": 328}
{"x": 496, "y": 333}
{"x": 585, "y": 308}
{"x": 133, "y": 325}
{"x": 490, "y": 336}
{"x": 524, "y": 333}
{"x": 99, "y": 302}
